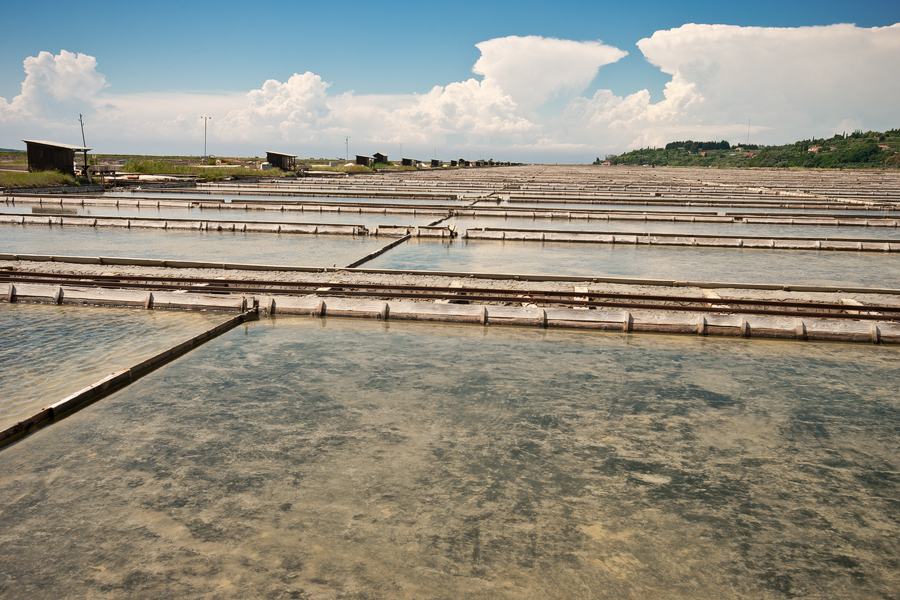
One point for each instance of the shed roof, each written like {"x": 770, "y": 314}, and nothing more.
{"x": 58, "y": 145}
{"x": 281, "y": 154}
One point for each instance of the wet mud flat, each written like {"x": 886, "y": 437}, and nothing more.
{"x": 351, "y": 459}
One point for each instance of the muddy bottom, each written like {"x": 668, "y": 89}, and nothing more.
{"x": 307, "y": 458}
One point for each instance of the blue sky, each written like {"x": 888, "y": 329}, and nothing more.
{"x": 389, "y": 56}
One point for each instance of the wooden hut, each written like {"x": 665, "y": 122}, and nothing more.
{"x": 363, "y": 160}
{"x": 285, "y": 162}
{"x": 436, "y": 162}
{"x": 51, "y": 156}
{"x": 380, "y": 157}
{"x": 408, "y": 162}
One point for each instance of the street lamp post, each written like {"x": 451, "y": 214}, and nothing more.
{"x": 205, "y": 119}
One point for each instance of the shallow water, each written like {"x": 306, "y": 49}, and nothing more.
{"x": 286, "y": 198}
{"x": 744, "y": 265}
{"x": 355, "y": 459}
{"x": 49, "y": 352}
{"x": 656, "y": 207}
{"x": 212, "y": 246}
{"x": 820, "y": 232}
{"x": 367, "y": 220}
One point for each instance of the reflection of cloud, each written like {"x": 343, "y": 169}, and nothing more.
{"x": 792, "y": 82}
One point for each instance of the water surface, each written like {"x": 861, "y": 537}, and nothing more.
{"x": 744, "y": 265}
{"x": 49, "y": 352}
{"x": 213, "y": 246}
{"x": 352, "y": 459}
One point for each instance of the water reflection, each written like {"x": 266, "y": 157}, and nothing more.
{"x": 681, "y": 228}
{"x": 368, "y": 220}
{"x": 867, "y": 269}
{"x": 258, "y": 248}
{"x": 342, "y": 459}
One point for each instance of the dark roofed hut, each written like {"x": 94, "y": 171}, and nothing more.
{"x": 380, "y": 157}
{"x": 285, "y": 162}
{"x": 51, "y": 156}
{"x": 363, "y": 160}
{"x": 408, "y": 162}
{"x": 436, "y": 162}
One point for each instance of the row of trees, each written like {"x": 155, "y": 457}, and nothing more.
{"x": 692, "y": 146}
{"x": 859, "y": 149}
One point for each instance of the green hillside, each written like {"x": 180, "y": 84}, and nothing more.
{"x": 854, "y": 151}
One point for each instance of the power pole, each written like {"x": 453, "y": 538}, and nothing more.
{"x": 83, "y": 143}
{"x": 205, "y": 119}
{"x": 347, "y": 144}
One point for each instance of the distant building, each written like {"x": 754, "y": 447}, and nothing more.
{"x": 365, "y": 161}
{"x": 436, "y": 162}
{"x": 815, "y": 149}
{"x": 883, "y": 147}
{"x": 380, "y": 157}
{"x": 51, "y": 156}
{"x": 606, "y": 163}
{"x": 454, "y": 163}
{"x": 408, "y": 162}
{"x": 285, "y": 162}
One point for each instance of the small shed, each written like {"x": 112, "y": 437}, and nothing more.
{"x": 51, "y": 156}
{"x": 435, "y": 162}
{"x": 453, "y": 163}
{"x": 408, "y": 162}
{"x": 365, "y": 161}
{"x": 285, "y": 162}
{"x": 380, "y": 157}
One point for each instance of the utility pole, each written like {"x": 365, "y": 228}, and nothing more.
{"x": 205, "y": 119}
{"x": 83, "y": 144}
{"x": 347, "y": 144}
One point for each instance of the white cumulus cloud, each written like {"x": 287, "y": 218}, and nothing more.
{"x": 793, "y": 83}
{"x": 56, "y": 86}
{"x": 533, "y": 69}
{"x": 286, "y": 110}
